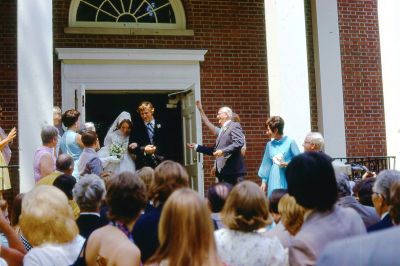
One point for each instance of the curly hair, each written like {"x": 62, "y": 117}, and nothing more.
{"x": 70, "y": 117}
{"x": 168, "y": 176}
{"x": 246, "y": 208}
{"x": 276, "y": 122}
{"x": 46, "y": 217}
{"x": 89, "y": 192}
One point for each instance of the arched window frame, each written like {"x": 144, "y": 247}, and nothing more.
{"x": 177, "y": 28}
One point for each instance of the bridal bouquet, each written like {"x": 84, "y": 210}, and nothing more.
{"x": 117, "y": 150}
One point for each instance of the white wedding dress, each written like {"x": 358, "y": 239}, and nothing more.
{"x": 114, "y": 136}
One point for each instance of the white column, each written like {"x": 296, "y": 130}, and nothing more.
{"x": 287, "y": 66}
{"x": 389, "y": 31}
{"x": 328, "y": 75}
{"x": 35, "y": 80}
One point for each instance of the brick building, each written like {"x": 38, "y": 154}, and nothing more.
{"x": 309, "y": 61}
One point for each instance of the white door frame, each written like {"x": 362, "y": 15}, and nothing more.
{"x": 131, "y": 69}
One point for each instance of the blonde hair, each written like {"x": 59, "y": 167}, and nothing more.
{"x": 46, "y": 217}
{"x": 292, "y": 214}
{"x": 145, "y": 106}
{"x": 246, "y": 208}
{"x": 186, "y": 233}
{"x": 147, "y": 175}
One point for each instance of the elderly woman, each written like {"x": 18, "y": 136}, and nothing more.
{"x": 88, "y": 194}
{"x": 48, "y": 224}
{"x": 245, "y": 212}
{"x": 185, "y": 215}
{"x": 381, "y": 198}
{"x": 168, "y": 176}
{"x": 311, "y": 181}
{"x": 112, "y": 244}
{"x": 71, "y": 142}
{"x": 44, "y": 161}
{"x": 278, "y": 153}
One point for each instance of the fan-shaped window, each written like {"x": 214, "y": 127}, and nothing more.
{"x": 127, "y": 14}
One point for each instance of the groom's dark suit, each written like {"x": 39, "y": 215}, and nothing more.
{"x": 140, "y": 135}
{"x": 230, "y": 167}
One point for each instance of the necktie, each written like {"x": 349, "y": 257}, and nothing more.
{"x": 150, "y": 131}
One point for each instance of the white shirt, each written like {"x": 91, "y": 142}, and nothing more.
{"x": 55, "y": 254}
{"x": 248, "y": 248}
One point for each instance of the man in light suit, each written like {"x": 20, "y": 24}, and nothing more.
{"x": 379, "y": 248}
{"x": 229, "y": 161}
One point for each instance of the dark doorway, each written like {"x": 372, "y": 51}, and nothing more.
{"x": 103, "y": 107}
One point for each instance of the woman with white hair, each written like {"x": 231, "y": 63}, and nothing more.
{"x": 44, "y": 161}
{"x": 88, "y": 194}
{"x": 47, "y": 222}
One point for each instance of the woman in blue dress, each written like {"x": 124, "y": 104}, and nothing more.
{"x": 278, "y": 153}
{"x": 71, "y": 142}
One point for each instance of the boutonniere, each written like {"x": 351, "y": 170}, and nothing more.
{"x": 158, "y": 125}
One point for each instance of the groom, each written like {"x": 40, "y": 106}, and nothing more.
{"x": 150, "y": 138}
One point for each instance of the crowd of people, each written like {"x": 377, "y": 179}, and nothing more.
{"x": 125, "y": 203}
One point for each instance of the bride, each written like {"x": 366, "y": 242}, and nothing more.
{"x": 114, "y": 155}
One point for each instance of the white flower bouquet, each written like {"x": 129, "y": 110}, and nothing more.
{"x": 117, "y": 150}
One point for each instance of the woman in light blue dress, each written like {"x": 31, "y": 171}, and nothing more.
{"x": 71, "y": 142}
{"x": 278, "y": 153}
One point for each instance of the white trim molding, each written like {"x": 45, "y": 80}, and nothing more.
{"x": 132, "y": 55}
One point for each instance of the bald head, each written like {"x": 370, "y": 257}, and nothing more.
{"x": 65, "y": 163}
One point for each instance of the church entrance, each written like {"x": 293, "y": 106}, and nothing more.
{"x": 102, "y": 107}
{"x": 101, "y": 83}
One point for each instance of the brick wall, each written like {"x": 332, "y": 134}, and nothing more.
{"x": 362, "y": 79}
{"x": 234, "y": 70}
{"x": 8, "y": 80}
{"x": 311, "y": 69}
